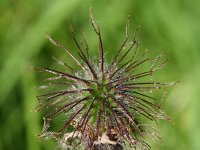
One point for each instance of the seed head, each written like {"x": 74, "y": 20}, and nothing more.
{"x": 102, "y": 103}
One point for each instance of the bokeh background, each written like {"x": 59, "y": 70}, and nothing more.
{"x": 172, "y": 25}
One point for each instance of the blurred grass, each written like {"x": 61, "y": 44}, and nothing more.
{"x": 165, "y": 25}
{"x": 31, "y": 120}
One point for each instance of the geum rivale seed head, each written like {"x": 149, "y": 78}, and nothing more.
{"x": 102, "y": 102}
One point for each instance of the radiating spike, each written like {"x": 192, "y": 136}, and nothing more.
{"x": 123, "y": 44}
{"x": 97, "y": 31}
{"x": 61, "y": 46}
{"x": 72, "y": 116}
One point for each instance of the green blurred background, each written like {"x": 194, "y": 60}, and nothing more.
{"x": 172, "y": 25}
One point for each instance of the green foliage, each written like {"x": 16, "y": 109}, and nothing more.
{"x": 172, "y": 25}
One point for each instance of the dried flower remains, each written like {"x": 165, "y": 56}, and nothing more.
{"x": 102, "y": 103}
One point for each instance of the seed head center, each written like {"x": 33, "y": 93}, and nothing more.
{"x": 101, "y": 91}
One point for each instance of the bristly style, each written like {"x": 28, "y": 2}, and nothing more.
{"x": 102, "y": 103}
